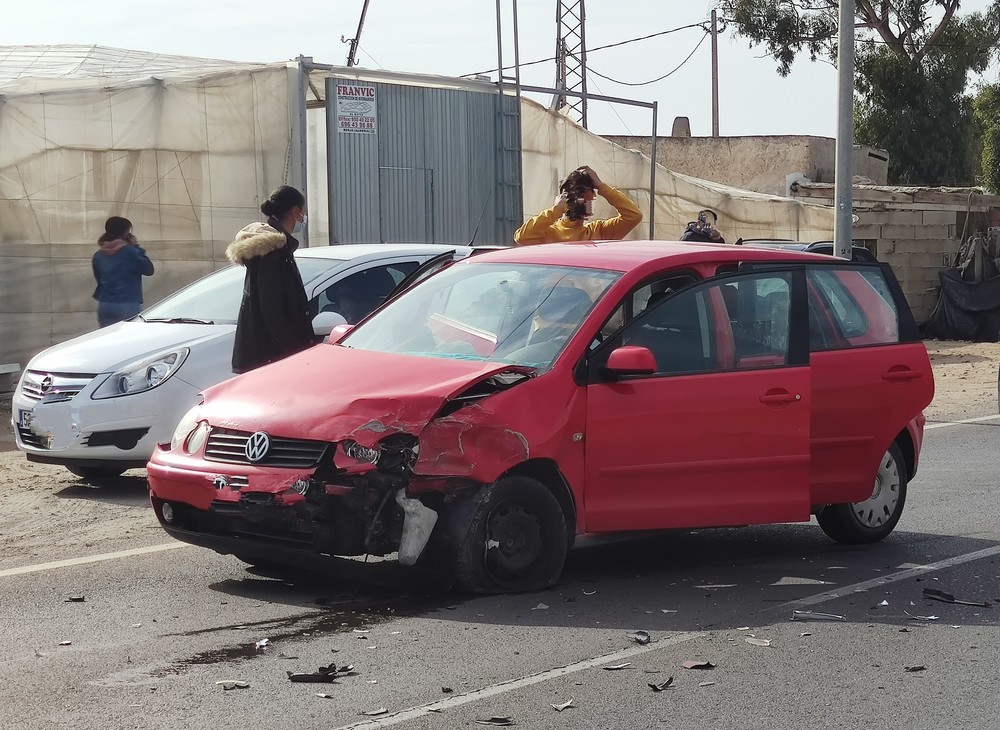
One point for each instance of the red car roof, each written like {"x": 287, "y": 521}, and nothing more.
{"x": 627, "y": 255}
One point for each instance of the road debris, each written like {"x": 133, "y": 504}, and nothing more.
{"x": 816, "y": 616}
{"x": 65, "y": 643}
{"x": 540, "y": 607}
{"x": 668, "y": 684}
{"x": 881, "y": 604}
{"x": 668, "y": 610}
{"x": 742, "y": 628}
{"x": 616, "y": 667}
{"x": 716, "y": 586}
{"x": 805, "y": 634}
{"x": 324, "y": 696}
{"x": 794, "y": 581}
{"x": 328, "y": 674}
{"x": 376, "y": 713}
{"x": 40, "y": 654}
{"x": 705, "y": 684}
{"x": 262, "y": 645}
{"x": 936, "y": 595}
{"x": 698, "y": 665}
{"x": 757, "y": 642}
{"x": 921, "y": 618}
{"x": 565, "y": 705}
{"x": 640, "y": 637}
{"x": 916, "y": 668}
{"x": 589, "y": 593}
{"x": 75, "y": 599}
{"x": 228, "y": 684}
{"x": 447, "y": 690}
{"x": 497, "y": 720}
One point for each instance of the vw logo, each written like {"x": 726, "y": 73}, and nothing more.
{"x": 46, "y": 385}
{"x": 257, "y": 446}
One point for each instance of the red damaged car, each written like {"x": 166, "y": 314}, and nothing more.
{"x": 484, "y": 418}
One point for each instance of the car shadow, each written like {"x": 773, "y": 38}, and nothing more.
{"x": 129, "y": 489}
{"x": 677, "y": 581}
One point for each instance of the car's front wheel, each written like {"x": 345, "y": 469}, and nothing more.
{"x": 516, "y": 538}
{"x": 875, "y": 517}
{"x": 95, "y": 473}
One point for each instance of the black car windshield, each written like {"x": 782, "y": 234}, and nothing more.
{"x": 216, "y": 298}
{"x": 513, "y": 313}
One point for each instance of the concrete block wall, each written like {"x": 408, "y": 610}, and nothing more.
{"x": 917, "y": 244}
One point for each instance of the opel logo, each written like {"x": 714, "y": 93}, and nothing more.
{"x": 46, "y": 384}
{"x": 257, "y": 446}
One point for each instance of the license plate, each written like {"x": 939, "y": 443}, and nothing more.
{"x": 24, "y": 419}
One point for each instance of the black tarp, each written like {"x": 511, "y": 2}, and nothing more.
{"x": 966, "y": 310}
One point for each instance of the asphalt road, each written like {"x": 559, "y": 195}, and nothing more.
{"x": 161, "y": 625}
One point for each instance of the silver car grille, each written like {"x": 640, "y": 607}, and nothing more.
{"x": 228, "y": 446}
{"x": 53, "y": 387}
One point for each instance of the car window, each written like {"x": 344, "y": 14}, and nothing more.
{"x": 355, "y": 297}
{"x": 216, "y": 297}
{"x": 738, "y": 322}
{"x": 639, "y": 299}
{"x": 514, "y": 313}
{"x": 850, "y": 308}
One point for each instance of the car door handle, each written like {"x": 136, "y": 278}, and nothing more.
{"x": 900, "y": 375}
{"x": 779, "y": 396}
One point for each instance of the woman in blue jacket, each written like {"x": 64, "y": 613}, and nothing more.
{"x": 119, "y": 265}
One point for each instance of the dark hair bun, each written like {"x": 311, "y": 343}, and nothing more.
{"x": 281, "y": 201}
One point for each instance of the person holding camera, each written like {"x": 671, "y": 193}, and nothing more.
{"x": 566, "y": 219}
{"x": 703, "y": 230}
{"x": 119, "y": 265}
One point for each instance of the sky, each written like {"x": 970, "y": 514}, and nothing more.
{"x": 456, "y": 37}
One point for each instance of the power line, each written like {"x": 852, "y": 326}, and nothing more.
{"x": 591, "y": 50}
{"x": 624, "y": 123}
{"x": 653, "y": 81}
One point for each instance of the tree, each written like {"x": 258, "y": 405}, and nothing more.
{"x": 987, "y": 110}
{"x": 913, "y": 59}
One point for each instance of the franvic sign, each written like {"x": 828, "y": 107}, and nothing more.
{"x": 356, "y": 108}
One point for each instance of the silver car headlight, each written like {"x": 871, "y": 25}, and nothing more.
{"x": 142, "y": 375}
{"x": 188, "y": 423}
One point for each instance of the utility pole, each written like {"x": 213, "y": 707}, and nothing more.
{"x": 844, "y": 188}
{"x": 571, "y": 58}
{"x": 715, "y": 75}
{"x": 352, "y": 53}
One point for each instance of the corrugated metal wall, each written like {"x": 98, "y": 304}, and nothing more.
{"x": 440, "y": 159}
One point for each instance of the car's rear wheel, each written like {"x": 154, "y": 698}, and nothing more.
{"x": 516, "y": 539}
{"x": 95, "y": 473}
{"x": 875, "y": 517}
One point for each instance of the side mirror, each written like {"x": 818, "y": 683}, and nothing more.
{"x": 631, "y": 360}
{"x": 338, "y": 333}
{"x": 325, "y": 322}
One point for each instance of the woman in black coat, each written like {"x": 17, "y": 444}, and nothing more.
{"x": 274, "y": 319}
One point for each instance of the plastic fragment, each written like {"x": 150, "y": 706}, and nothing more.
{"x": 716, "y": 586}
{"x": 742, "y": 628}
{"x": 881, "y": 604}
{"x": 668, "y": 610}
{"x": 65, "y": 643}
{"x": 705, "y": 684}
{"x": 328, "y": 674}
{"x": 497, "y": 720}
{"x": 795, "y": 581}
{"x": 376, "y": 713}
{"x": 816, "y": 616}
{"x": 757, "y": 642}
{"x": 640, "y": 637}
{"x": 324, "y": 696}
{"x": 615, "y": 667}
{"x": 262, "y": 644}
{"x": 921, "y": 618}
{"x": 668, "y": 684}
{"x": 916, "y": 668}
{"x": 565, "y": 705}
{"x": 698, "y": 665}
{"x": 540, "y": 607}
{"x": 228, "y": 684}
{"x": 76, "y": 599}
{"x": 447, "y": 690}
{"x": 804, "y": 634}
{"x": 589, "y": 593}
{"x": 936, "y": 595}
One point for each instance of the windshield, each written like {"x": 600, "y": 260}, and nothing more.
{"x": 515, "y": 313}
{"x": 216, "y": 298}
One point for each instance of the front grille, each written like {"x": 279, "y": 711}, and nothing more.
{"x": 228, "y": 446}
{"x": 53, "y": 387}
{"x": 28, "y": 438}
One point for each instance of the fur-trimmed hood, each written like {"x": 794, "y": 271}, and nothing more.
{"x": 256, "y": 239}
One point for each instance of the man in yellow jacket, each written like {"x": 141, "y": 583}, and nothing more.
{"x": 564, "y": 221}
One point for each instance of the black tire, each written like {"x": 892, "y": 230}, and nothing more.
{"x": 95, "y": 473}
{"x": 526, "y": 526}
{"x": 870, "y": 521}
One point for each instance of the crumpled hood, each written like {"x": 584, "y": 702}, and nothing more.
{"x": 105, "y": 350}
{"x": 332, "y": 392}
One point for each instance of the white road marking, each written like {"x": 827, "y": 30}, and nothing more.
{"x": 512, "y": 684}
{"x": 959, "y": 423}
{"x": 40, "y": 567}
{"x": 892, "y": 578}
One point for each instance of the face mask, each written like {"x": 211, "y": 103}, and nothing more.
{"x": 300, "y": 225}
